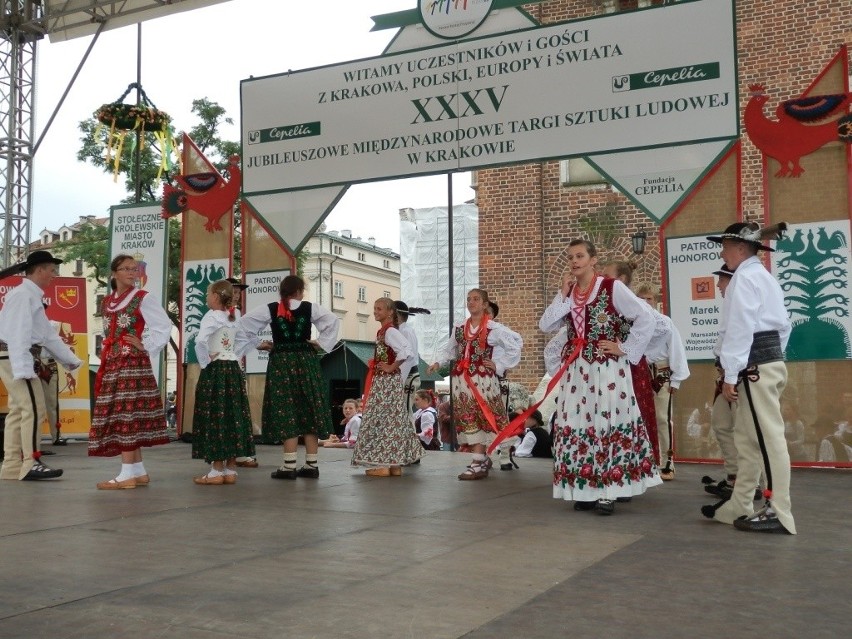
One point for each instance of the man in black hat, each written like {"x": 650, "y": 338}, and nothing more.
{"x": 23, "y": 324}
{"x": 753, "y": 335}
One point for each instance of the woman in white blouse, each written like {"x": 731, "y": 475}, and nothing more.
{"x": 129, "y": 412}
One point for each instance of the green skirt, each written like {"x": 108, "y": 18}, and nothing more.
{"x": 221, "y": 422}
{"x": 295, "y": 401}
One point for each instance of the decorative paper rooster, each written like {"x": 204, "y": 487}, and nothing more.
{"x": 208, "y": 194}
{"x": 794, "y": 135}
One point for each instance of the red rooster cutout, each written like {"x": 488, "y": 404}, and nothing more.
{"x": 794, "y": 135}
{"x": 208, "y": 194}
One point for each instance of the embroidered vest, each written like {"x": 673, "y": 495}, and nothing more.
{"x": 602, "y": 321}
{"x": 383, "y": 352}
{"x": 290, "y": 334}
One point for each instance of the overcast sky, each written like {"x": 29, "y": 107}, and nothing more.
{"x": 205, "y": 53}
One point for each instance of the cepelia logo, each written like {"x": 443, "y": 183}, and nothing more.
{"x": 453, "y": 19}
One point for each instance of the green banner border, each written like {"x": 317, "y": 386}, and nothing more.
{"x": 399, "y": 19}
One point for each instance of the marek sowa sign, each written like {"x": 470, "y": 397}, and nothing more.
{"x": 613, "y": 83}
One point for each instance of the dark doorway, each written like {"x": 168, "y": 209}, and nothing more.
{"x": 341, "y": 390}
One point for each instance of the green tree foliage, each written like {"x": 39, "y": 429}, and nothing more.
{"x": 91, "y": 242}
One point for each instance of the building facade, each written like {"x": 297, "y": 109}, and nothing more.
{"x": 346, "y": 275}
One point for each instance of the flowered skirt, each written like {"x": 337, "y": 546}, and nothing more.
{"x": 387, "y": 436}
{"x": 601, "y": 447}
{"x": 471, "y": 424}
{"x": 295, "y": 399}
{"x": 128, "y": 408}
{"x": 221, "y": 422}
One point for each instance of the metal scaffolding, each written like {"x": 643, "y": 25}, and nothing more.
{"x": 20, "y": 31}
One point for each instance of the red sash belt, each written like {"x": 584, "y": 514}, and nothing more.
{"x": 368, "y": 383}
{"x": 517, "y": 425}
{"x": 463, "y": 369}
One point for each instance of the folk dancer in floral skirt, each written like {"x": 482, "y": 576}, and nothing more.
{"x": 295, "y": 399}
{"x": 129, "y": 412}
{"x": 222, "y": 421}
{"x": 601, "y": 447}
{"x": 386, "y": 440}
{"x": 481, "y": 350}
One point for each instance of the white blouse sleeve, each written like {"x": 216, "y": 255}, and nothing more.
{"x": 447, "y": 352}
{"x": 677, "y": 358}
{"x": 253, "y": 323}
{"x": 241, "y": 341}
{"x": 205, "y": 330}
{"x": 399, "y": 344}
{"x": 327, "y": 324}
{"x": 554, "y": 316}
{"x": 638, "y": 312}
{"x": 553, "y": 352}
{"x": 507, "y": 346}
{"x": 158, "y": 323}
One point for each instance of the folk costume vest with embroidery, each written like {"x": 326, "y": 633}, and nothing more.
{"x": 118, "y": 323}
{"x": 383, "y": 352}
{"x": 476, "y": 353}
{"x": 293, "y": 334}
{"x": 602, "y": 321}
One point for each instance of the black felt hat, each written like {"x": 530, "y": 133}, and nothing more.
{"x": 724, "y": 271}
{"x": 33, "y": 259}
{"x": 237, "y": 284}
{"x": 751, "y": 233}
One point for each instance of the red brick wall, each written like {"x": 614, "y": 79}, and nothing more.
{"x": 527, "y": 217}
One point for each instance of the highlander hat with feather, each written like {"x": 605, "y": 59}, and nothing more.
{"x": 237, "y": 284}
{"x": 751, "y": 233}
{"x": 33, "y": 259}
{"x": 403, "y": 309}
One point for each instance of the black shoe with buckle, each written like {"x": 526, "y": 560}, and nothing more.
{"x": 720, "y": 489}
{"x": 585, "y": 505}
{"x": 311, "y": 472}
{"x": 284, "y": 473}
{"x": 505, "y": 466}
{"x": 604, "y": 507}
{"x": 40, "y": 471}
{"x": 60, "y": 442}
{"x": 760, "y": 522}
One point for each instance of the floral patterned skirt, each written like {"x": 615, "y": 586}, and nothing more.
{"x": 221, "y": 422}
{"x": 601, "y": 447}
{"x": 295, "y": 399}
{"x": 128, "y": 409}
{"x": 387, "y": 436}
{"x": 471, "y": 423}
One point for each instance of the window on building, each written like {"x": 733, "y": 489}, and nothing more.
{"x": 99, "y": 344}
{"x": 361, "y": 257}
{"x": 386, "y": 264}
{"x": 386, "y": 294}
{"x": 338, "y": 250}
{"x": 578, "y": 172}
{"x": 99, "y": 302}
{"x": 362, "y": 293}
{"x": 78, "y": 268}
{"x": 338, "y": 288}
{"x": 64, "y": 236}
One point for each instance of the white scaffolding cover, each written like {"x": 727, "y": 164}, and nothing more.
{"x": 424, "y": 273}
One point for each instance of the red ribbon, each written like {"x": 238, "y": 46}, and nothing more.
{"x": 284, "y": 310}
{"x": 106, "y": 347}
{"x": 517, "y": 425}
{"x": 463, "y": 369}
{"x": 368, "y": 384}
